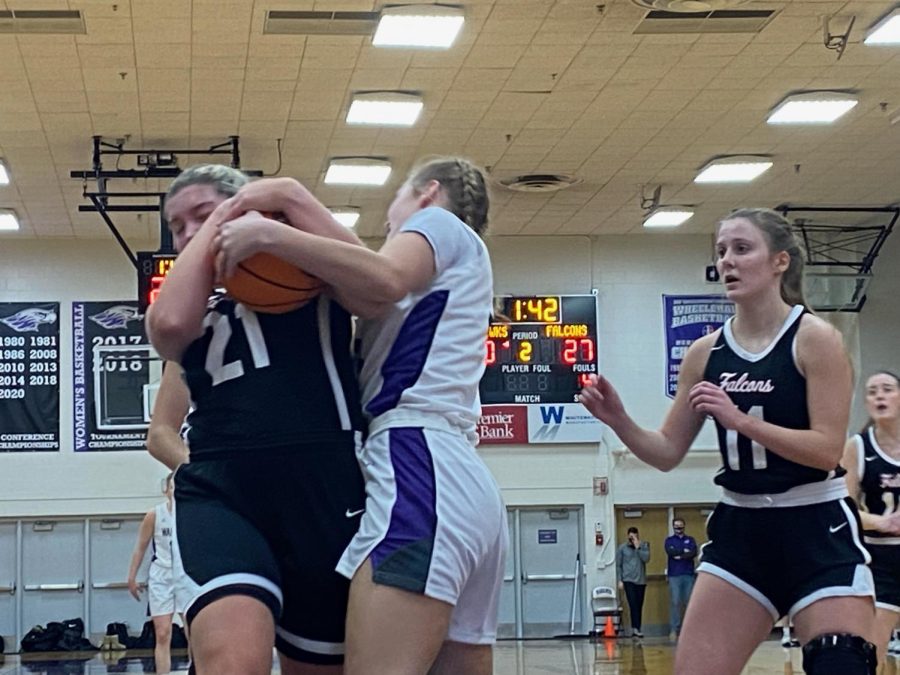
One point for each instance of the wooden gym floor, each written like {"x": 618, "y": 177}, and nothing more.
{"x": 651, "y": 656}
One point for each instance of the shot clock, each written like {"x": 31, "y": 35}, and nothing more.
{"x": 539, "y": 349}
{"x": 152, "y": 270}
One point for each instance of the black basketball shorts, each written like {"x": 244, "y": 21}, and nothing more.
{"x": 272, "y": 524}
{"x": 786, "y": 558}
{"x": 886, "y": 571}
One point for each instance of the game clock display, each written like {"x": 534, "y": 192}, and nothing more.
{"x": 540, "y": 349}
{"x": 152, "y": 270}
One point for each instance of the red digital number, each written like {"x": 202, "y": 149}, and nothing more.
{"x": 587, "y": 350}
{"x": 155, "y": 284}
{"x": 570, "y": 351}
{"x": 491, "y": 353}
{"x": 573, "y": 350}
{"x": 584, "y": 379}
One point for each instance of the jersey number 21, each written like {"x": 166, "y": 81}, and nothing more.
{"x": 215, "y": 365}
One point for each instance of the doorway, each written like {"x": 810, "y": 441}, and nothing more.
{"x": 543, "y": 589}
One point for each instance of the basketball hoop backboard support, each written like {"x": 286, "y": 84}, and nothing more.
{"x": 152, "y": 164}
{"x": 842, "y": 243}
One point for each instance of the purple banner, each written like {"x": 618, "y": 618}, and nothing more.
{"x": 115, "y": 376}
{"x": 688, "y": 317}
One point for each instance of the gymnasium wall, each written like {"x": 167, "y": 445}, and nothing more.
{"x": 879, "y": 322}
{"x": 628, "y": 273}
{"x": 65, "y": 483}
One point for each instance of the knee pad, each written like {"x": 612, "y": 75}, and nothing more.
{"x": 839, "y": 654}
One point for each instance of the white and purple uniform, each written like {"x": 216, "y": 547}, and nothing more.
{"x": 435, "y": 522}
{"x": 165, "y": 595}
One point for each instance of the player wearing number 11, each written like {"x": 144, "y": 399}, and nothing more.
{"x": 872, "y": 460}
{"x": 784, "y": 540}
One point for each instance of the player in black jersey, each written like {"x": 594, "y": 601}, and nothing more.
{"x": 272, "y": 492}
{"x": 872, "y": 460}
{"x": 785, "y": 538}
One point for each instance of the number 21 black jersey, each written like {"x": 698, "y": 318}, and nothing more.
{"x": 767, "y": 385}
{"x": 265, "y": 380}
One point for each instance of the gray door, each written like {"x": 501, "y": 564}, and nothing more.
{"x": 8, "y": 585}
{"x": 550, "y": 553}
{"x": 53, "y": 573}
{"x": 111, "y": 544}
{"x": 509, "y": 622}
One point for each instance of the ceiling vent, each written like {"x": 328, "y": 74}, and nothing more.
{"x": 660, "y": 22}
{"x": 688, "y": 6}
{"x": 289, "y": 22}
{"x": 41, "y": 21}
{"x": 540, "y": 182}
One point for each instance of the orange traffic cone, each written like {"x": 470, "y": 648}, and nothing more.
{"x": 609, "y": 631}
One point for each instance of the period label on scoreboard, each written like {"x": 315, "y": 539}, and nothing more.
{"x": 29, "y": 376}
{"x": 540, "y": 350}
{"x": 116, "y": 375}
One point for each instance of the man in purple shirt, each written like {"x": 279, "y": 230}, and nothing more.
{"x": 681, "y": 550}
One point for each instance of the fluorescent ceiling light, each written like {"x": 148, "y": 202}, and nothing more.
{"x": 358, "y": 171}
{"x": 814, "y": 107}
{"x": 8, "y": 221}
{"x": 346, "y": 216}
{"x": 386, "y": 108}
{"x": 886, "y": 30}
{"x": 734, "y": 169}
{"x": 419, "y": 26}
{"x": 668, "y": 217}
{"x": 4, "y": 174}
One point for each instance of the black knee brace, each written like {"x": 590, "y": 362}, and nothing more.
{"x": 839, "y": 654}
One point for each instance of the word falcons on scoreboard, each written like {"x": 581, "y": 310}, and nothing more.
{"x": 540, "y": 350}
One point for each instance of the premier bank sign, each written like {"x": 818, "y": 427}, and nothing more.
{"x": 503, "y": 424}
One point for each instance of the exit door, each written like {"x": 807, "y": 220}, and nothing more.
{"x": 543, "y": 591}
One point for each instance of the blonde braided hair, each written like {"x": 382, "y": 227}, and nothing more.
{"x": 463, "y": 184}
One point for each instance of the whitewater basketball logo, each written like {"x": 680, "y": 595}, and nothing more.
{"x": 563, "y": 423}
{"x": 117, "y": 316}
{"x": 28, "y": 320}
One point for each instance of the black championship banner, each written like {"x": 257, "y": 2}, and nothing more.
{"x": 29, "y": 376}
{"x": 116, "y": 375}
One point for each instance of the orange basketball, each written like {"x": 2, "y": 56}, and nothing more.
{"x": 268, "y": 284}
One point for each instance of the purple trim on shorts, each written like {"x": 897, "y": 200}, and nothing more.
{"x": 405, "y": 361}
{"x": 414, "y": 515}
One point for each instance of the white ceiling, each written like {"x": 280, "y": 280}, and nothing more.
{"x": 531, "y": 86}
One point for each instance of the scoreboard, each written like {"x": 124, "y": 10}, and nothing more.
{"x": 152, "y": 270}
{"x": 540, "y": 349}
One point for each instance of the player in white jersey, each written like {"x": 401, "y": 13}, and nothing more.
{"x": 872, "y": 461}
{"x": 427, "y": 563}
{"x": 166, "y": 596}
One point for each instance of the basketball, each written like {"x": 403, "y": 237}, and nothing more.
{"x": 268, "y": 284}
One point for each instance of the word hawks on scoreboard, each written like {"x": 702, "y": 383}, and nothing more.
{"x": 540, "y": 350}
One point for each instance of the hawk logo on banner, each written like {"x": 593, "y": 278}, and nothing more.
{"x": 28, "y": 320}
{"x": 116, "y": 317}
